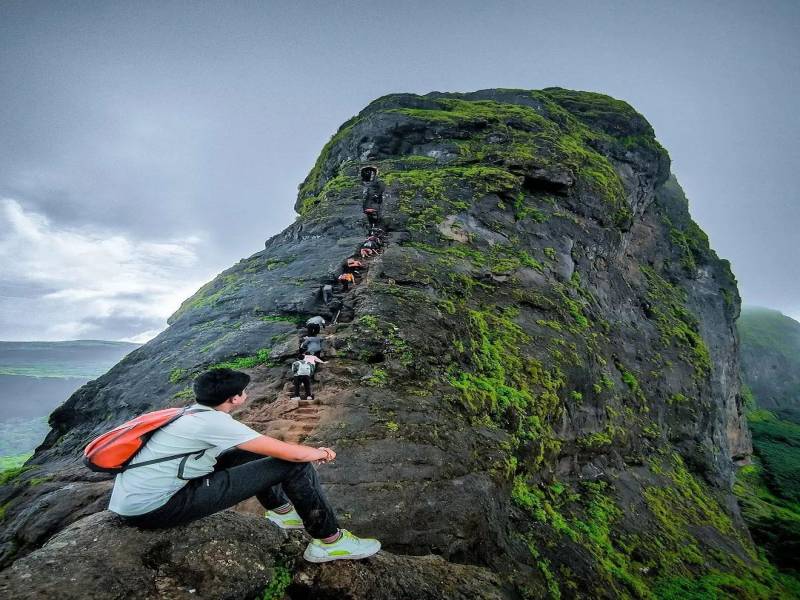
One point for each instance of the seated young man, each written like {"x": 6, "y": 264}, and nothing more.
{"x": 229, "y": 462}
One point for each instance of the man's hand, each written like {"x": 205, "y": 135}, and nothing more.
{"x": 328, "y": 455}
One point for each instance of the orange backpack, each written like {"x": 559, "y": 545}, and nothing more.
{"x": 113, "y": 451}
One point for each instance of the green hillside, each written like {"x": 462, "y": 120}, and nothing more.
{"x": 770, "y": 352}
{"x": 769, "y": 489}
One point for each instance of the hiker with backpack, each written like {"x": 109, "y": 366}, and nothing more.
{"x": 202, "y": 461}
{"x": 302, "y": 370}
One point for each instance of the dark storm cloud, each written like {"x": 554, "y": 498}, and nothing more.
{"x": 161, "y": 121}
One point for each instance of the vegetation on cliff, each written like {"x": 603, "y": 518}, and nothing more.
{"x": 529, "y": 357}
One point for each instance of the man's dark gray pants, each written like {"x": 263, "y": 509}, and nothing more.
{"x": 239, "y": 475}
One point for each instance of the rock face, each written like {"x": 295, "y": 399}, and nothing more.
{"x": 771, "y": 360}
{"x": 538, "y": 375}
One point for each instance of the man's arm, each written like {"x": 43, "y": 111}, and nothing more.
{"x": 268, "y": 446}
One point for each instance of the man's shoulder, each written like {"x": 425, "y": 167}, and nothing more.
{"x": 214, "y": 423}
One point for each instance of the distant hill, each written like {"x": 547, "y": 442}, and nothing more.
{"x": 769, "y": 488}
{"x": 770, "y": 353}
{"x": 85, "y": 359}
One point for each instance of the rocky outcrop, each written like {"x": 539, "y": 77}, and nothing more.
{"x": 538, "y": 374}
{"x": 226, "y": 556}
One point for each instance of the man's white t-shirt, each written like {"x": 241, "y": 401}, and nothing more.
{"x": 207, "y": 434}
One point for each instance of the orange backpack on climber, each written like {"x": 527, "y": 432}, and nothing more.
{"x": 113, "y": 451}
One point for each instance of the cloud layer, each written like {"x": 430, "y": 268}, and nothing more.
{"x": 66, "y": 283}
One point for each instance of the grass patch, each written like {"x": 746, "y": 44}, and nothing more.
{"x": 12, "y": 467}
{"x": 261, "y": 357}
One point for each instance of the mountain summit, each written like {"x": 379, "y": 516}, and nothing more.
{"x": 536, "y": 379}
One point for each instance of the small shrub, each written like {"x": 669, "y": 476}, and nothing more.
{"x": 276, "y": 588}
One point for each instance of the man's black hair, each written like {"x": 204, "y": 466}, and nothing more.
{"x": 213, "y": 387}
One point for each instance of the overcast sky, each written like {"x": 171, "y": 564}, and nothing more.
{"x": 146, "y": 146}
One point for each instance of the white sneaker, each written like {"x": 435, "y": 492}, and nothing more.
{"x": 295, "y": 398}
{"x": 347, "y": 547}
{"x": 290, "y": 520}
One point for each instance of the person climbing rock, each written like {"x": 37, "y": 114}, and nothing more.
{"x": 313, "y": 325}
{"x": 327, "y": 293}
{"x": 373, "y": 216}
{"x": 368, "y": 248}
{"x": 231, "y": 462}
{"x": 314, "y": 361}
{"x": 312, "y": 344}
{"x": 351, "y": 265}
{"x": 346, "y": 279}
{"x": 302, "y": 370}
{"x": 372, "y": 193}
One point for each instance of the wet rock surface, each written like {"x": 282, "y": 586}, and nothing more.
{"x": 536, "y": 376}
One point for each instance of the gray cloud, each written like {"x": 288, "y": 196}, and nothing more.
{"x": 169, "y": 121}
{"x": 60, "y": 282}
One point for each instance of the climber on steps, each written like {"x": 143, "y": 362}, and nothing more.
{"x": 375, "y": 240}
{"x": 372, "y": 215}
{"x": 312, "y": 344}
{"x": 314, "y": 361}
{"x": 207, "y": 461}
{"x": 372, "y": 193}
{"x": 346, "y": 279}
{"x": 313, "y": 325}
{"x": 302, "y": 370}
{"x": 368, "y": 248}
{"x": 327, "y": 293}
{"x": 351, "y": 265}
